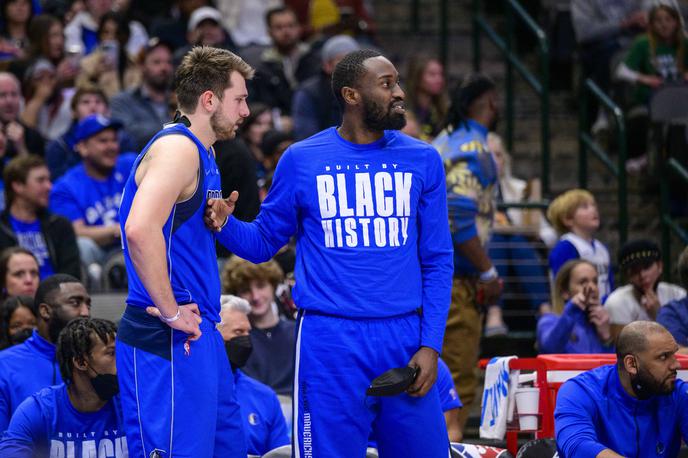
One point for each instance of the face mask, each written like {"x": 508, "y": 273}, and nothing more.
{"x": 20, "y": 336}
{"x": 105, "y": 385}
{"x": 238, "y": 350}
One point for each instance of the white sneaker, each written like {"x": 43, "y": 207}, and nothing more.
{"x": 601, "y": 123}
{"x": 637, "y": 165}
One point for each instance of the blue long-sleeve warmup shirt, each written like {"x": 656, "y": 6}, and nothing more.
{"x": 25, "y": 369}
{"x": 47, "y": 425}
{"x": 570, "y": 332}
{"x": 471, "y": 179}
{"x": 595, "y": 413}
{"x": 264, "y": 423}
{"x": 371, "y": 228}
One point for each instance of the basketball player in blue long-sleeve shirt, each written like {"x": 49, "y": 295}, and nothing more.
{"x": 374, "y": 265}
{"x": 178, "y": 397}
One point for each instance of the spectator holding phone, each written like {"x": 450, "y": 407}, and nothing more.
{"x": 579, "y": 323}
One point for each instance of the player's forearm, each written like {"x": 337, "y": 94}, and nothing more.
{"x": 147, "y": 251}
{"x": 246, "y": 241}
{"x": 608, "y": 454}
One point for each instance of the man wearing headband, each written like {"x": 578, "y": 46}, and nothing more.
{"x": 640, "y": 261}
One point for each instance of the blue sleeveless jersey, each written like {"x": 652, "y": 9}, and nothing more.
{"x": 190, "y": 245}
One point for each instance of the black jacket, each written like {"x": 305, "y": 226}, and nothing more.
{"x": 60, "y": 240}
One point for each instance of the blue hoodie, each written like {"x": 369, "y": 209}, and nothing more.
{"x": 569, "y": 332}
{"x": 594, "y": 412}
{"x": 25, "y": 369}
{"x": 47, "y": 424}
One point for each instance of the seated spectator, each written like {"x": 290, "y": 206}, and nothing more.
{"x": 274, "y": 144}
{"x": 89, "y": 194}
{"x": 674, "y": 315}
{"x": 602, "y": 30}
{"x": 640, "y": 261}
{"x": 426, "y": 94}
{"x": 579, "y": 323}
{"x": 27, "y": 222}
{"x": 655, "y": 58}
{"x": 272, "y": 359}
{"x": 47, "y": 102}
{"x": 576, "y": 219}
{"x": 264, "y": 422}
{"x": 284, "y": 65}
{"x": 109, "y": 66}
{"x": 31, "y": 366}
{"x": 205, "y": 29}
{"x": 81, "y": 415}
{"x": 17, "y": 320}
{"x": 145, "y": 108}
{"x": 22, "y": 139}
{"x": 82, "y": 30}
{"x": 61, "y": 154}
{"x": 635, "y": 407}
{"x": 46, "y": 41}
{"x": 14, "y": 26}
{"x": 251, "y": 130}
{"x": 245, "y": 19}
{"x": 314, "y": 106}
{"x": 19, "y": 272}
{"x": 511, "y": 243}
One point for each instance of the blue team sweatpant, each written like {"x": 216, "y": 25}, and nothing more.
{"x": 336, "y": 359}
{"x": 178, "y": 400}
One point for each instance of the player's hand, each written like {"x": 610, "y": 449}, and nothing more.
{"x": 425, "y": 360}
{"x": 218, "y": 210}
{"x": 599, "y": 317}
{"x": 189, "y": 319}
{"x": 491, "y": 290}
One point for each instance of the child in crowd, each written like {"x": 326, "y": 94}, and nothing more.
{"x": 579, "y": 323}
{"x": 575, "y": 217}
{"x": 640, "y": 261}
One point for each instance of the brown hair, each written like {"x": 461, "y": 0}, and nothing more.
{"x": 678, "y": 36}
{"x": 565, "y": 205}
{"x": 86, "y": 89}
{"x": 239, "y": 273}
{"x": 205, "y": 68}
{"x": 17, "y": 171}
{"x": 562, "y": 281}
{"x": 5, "y": 256}
{"x": 416, "y": 67}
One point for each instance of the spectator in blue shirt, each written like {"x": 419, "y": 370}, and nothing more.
{"x": 31, "y": 366}
{"x": 61, "y": 154}
{"x": 82, "y": 416}
{"x": 579, "y": 323}
{"x": 27, "y": 222}
{"x": 263, "y": 421}
{"x": 636, "y": 407}
{"x": 674, "y": 315}
{"x": 89, "y": 194}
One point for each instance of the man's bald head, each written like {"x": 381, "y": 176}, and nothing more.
{"x": 634, "y": 338}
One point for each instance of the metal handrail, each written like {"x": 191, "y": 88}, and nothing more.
{"x": 669, "y": 225}
{"x": 514, "y": 10}
{"x": 587, "y": 143}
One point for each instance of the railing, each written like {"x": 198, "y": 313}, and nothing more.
{"x": 587, "y": 143}
{"x": 513, "y": 11}
{"x": 443, "y": 44}
{"x": 669, "y": 225}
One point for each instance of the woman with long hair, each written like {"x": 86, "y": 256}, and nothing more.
{"x": 14, "y": 28}
{"x": 578, "y": 323}
{"x": 426, "y": 94}
{"x": 19, "y": 272}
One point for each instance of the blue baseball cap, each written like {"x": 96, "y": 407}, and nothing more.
{"x": 94, "y": 124}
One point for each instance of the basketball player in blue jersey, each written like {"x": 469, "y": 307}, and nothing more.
{"x": 176, "y": 383}
{"x": 368, "y": 207}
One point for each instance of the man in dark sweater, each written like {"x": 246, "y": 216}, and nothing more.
{"x": 27, "y": 222}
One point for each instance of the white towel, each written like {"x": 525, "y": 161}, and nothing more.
{"x": 497, "y": 407}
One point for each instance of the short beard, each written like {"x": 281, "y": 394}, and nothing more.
{"x": 376, "y": 120}
{"x": 56, "y": 325}
{"x": 645, "y": 385}
{"x": 222, "y": 127}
